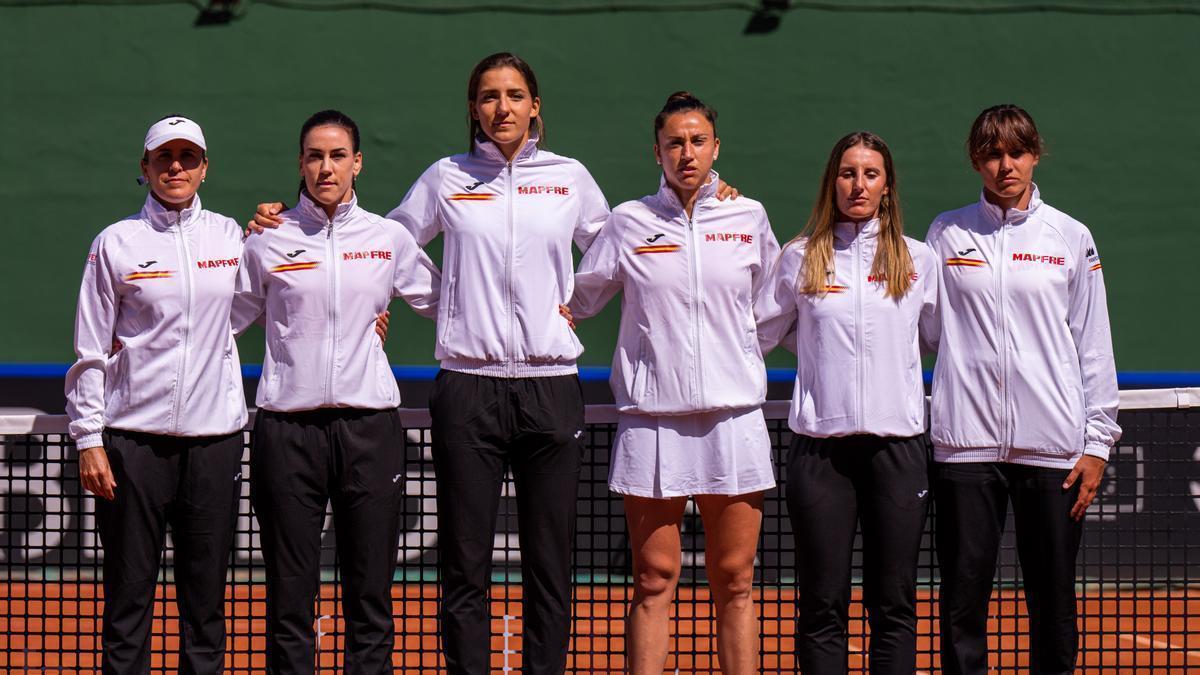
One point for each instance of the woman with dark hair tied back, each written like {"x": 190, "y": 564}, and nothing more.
{"x": 327, "y": 430}
{"x": 507, "y": 395}
{"x": 1024, "y": 405}
{"x": 856, "y": 299}
{"x": 689, "y": 382}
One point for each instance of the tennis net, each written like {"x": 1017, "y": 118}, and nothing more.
{"x": 1138, "y": 569}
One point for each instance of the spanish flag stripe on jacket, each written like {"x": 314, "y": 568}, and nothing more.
{"x": 148, "y": 275}
{"x": 288, "y": 267}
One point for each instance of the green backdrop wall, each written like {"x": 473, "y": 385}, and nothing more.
{"x": 1113, "y": 86}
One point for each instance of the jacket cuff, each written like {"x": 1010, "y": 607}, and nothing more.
{"x": 89, "y": 441}
{"x": 1100, "y": 451}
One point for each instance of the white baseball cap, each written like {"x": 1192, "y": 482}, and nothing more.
{"x": 173, "y": 128}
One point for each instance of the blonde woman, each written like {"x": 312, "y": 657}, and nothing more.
{"x": 856, "y": 296}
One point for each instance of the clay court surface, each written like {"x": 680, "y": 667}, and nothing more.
{"x": 53, "y": 627}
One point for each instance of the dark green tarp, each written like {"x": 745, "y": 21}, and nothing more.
{"x": 1113, "y": 86}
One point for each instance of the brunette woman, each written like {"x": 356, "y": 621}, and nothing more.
{"x": 1024, "y": 407}
{"x": 689, "y": 381}
{"x": 327, "y": 430}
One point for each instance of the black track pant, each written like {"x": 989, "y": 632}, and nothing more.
{"x": 299, "y": 464}
{"x": 972, "y": 502}
{"x": 481, "y": 427}
{"x": 832, "y": 485}
{"x": 192, "y": 484}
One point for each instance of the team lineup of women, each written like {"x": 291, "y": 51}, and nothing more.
{"x": 1007, "y": 292}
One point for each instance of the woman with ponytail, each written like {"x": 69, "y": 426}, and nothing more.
{"x": 507, "y": 395}
{"x": 856, "y": 298}
{"x": 689, "y": 380}
{"x": 327, "y": 432}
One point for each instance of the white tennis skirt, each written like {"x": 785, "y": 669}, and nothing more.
{"x": 727, "y": 452}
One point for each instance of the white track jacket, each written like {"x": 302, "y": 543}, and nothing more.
{"x": 322, "y": 282}
{"x": 858, "y": 352}
{"x": 161, "y": 282}
{"x": 687, "y": 340}
{"x": 1025, "y": 370}
{"x": 507, "y": 262}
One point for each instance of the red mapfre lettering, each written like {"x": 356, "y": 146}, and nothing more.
{"x": 730, "y": 236}
{"x": 209, "y": 264}
{"x": 367, "y": 255}
{"x": 543, "y": 190}
{"x": 1033, "y": 257}
{"x": 871, "y": 278}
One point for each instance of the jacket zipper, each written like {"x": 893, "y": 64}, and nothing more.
{"x": 331, "y": 260}
{"x": 694, "y": 270}
{"x": 859, "y": 356}
{"x": 185, "y": 264}
{"x": 508, "y": 274}
{"x": 1000, "y": 302}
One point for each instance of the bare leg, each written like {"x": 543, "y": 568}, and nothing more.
{"x": 731, "y": 528}
{"x": 654, "y": 539}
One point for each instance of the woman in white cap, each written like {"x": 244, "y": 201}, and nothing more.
{"x": 158, "y": 423}
{"x": 689, "y": 381}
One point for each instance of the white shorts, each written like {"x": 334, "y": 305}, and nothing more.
{"x": 727, "y": 452}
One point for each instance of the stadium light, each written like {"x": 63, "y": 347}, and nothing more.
{"x": 767, "y": 17}
{"x": 218, "y": 13}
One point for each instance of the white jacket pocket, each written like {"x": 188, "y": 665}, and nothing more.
{"x": 639, "y": 384}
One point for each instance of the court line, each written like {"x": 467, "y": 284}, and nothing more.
{"x": 1159, "y": 644}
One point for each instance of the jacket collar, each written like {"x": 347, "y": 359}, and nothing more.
{"x": 666, "y": 194}
{"x": 847, "y": 232}
{"x": 487, "y": 150}
{"x": 994, "y": 215}
{"x": 162, "y": 218}
{"x": 312, "y": 211}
